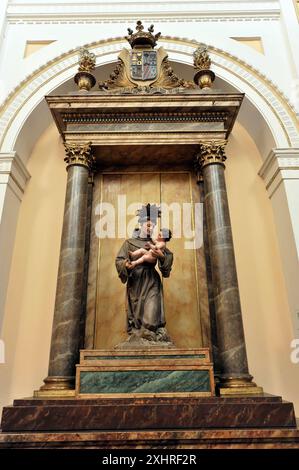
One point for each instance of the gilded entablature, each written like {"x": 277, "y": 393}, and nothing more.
{"x": 144, "y": 102}
{"x": 144, "y": 69}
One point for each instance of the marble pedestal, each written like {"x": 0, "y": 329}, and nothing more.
{"x": 139, "y": 399}
{"x": 145, "y": 373}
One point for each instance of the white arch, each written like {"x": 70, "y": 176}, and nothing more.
{"x": 27, "y": 100}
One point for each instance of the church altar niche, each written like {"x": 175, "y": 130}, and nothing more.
{"x": 147, "y": 136}
{"x": 154, "y": 138}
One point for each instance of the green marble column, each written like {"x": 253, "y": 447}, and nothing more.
{"x": 64, "y": 353}
{"x": 233, "y": 367}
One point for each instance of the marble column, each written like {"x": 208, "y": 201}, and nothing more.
{"x": 212, "y": 312}
{"x": 233, "y": 367}
{"x": 86, "y": 260}
{"x": 64, "y": 353}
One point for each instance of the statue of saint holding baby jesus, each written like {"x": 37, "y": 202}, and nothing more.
{"x": 135, "y": 263}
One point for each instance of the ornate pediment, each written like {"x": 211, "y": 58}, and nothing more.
{"x": 143, "y": 69}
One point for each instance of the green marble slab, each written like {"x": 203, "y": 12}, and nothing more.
{"x": 144, "y": 381}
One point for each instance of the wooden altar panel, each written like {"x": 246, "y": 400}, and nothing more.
{"x": 182, "y": 290}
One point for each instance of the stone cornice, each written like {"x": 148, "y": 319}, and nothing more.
{"x": 281, "y": 164}
{"x": 118, "y": 117}
{"x": 94, "y": 12}
{"x": 13, "y": 173}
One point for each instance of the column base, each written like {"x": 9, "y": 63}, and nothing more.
{"x": 57, "y": 386}
{"x": 53, "y": 393}
{"x": 255, "y": 390}
{"x": 238, "y": 386}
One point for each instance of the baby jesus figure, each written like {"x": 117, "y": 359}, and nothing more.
{"x": 149, "y": 254}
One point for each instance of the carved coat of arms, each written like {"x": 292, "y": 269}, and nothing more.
{"x": 143, "y": 65}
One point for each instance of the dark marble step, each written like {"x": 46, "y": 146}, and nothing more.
{"x": 174, "y": 439}
{"x": 144, "y": 414}
{"x": 265, "y": 397}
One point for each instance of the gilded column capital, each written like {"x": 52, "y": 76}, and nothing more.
{"x": 210, "y": 152}
{"x": 79, "y": 154}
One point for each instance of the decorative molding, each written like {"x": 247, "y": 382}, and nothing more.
{"x": 266, "y": 89}
{"x": 13, "y": 173}
{"x": 111, "y": 118}
{"x": 117, "y": 11}
{"x": 280, "y": 165}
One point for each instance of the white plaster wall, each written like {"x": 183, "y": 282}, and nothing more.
{"x": 292, "y": 190}
{"x": 74, "y": 23}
